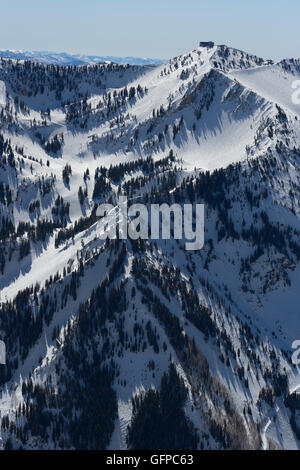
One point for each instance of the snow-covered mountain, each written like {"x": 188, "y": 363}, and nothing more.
{"x": 98, "y": 333}
{"x": 63, "y": 58}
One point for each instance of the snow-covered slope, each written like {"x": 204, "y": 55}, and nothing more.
{"x": 274, "y": 82}
{"x": 89, "y": 325}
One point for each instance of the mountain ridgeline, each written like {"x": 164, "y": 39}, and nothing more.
{"x": 141, "y": 344}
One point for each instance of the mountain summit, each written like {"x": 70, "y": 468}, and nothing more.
{"x": 130, "y": 344}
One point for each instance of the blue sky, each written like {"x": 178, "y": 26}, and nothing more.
{"x": 153, "y": 28}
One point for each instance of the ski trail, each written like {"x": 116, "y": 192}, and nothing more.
{"x": 295, "y": 389}
{"x": 266, "y": 427}
{"x": 264, "y": 434}
{"x": 125, "y": 411}
{"x": 269, "y": 419}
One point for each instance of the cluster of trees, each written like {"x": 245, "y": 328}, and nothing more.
{"x": 66, "y": 173}
{"x": 54, "y": 145}
{"x": 111, "y": 103}
{"x": 79, "y": 415}
{"x": 159, "y": 421}
{"x": 293, "y": 403}
{"x": 101, "y": 185}
{"x": 31, "y": 79}
{"x": 25, "y": 233}
{"x": 61, "y": 209}
{"x": 34, "y": 206}
{"x": 79, "y": 225}
{"x": 6, "y": 152}
{"x": 82, "y": 194}
{"x": 5, "y": 194}
{"x": 147, "y": 165}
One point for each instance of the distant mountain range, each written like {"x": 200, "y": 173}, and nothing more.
{"x": 63, "y": 58}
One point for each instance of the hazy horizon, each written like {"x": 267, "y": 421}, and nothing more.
{"x": 160, "y": 30}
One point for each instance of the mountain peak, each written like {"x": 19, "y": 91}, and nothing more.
{"x": 92, "y": 326}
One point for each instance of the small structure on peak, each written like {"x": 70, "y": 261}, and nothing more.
{"x": 208, "y": 44}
